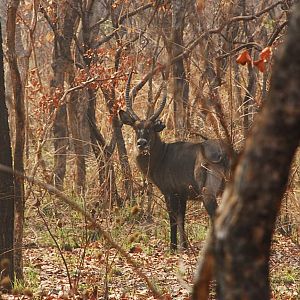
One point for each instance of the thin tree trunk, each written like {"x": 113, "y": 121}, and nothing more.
{"x": 123, "y": 157}
{"x": 76, "y": 107}
{"x": 238, "y": 250}
{"x": 60, "y": 133}
{"x": 60, "y": 128}
{"x": 74, "y": 102}
{"x": 248, "y": 101}
{"x": 180, "y": 84}
{"x": 214, "y": 102}
{"x": 6, "y": 185}
{"x": 103, "y": 153}
{"x": 63, "y": 64}
{"x": 19, "y": 134}
{"x": 251, "y": 87}
{"x": 125, "y": 166}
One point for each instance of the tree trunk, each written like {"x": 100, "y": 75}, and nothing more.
{"x": 103, "y": 152}
{"x": 74, "y": 104}
{"x": 117, "y": 132}
{"x": 248, "y": 101}
{"x": 6, "y": 185}
{"x": 19, "y": 134}
{"x": 125, "y": 166}
{"x": 63, "y": 64}
{"x": 60, "y": 129}
{"x": 180, "y": 84}
{"x": 102, "y": 149}
{"x": 60, "y": 133}
{"x": 238, "y": 249}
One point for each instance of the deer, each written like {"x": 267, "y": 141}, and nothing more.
{"x": 181, "y": 170}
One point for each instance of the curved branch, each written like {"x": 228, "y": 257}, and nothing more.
{"x": 275, "y": 34}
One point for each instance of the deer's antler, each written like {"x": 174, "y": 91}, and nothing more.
{"x": 128, "y": 100}
{"x": 162, "y": 104}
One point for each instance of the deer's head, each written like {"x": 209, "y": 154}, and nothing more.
{"x": 145, "y": 129}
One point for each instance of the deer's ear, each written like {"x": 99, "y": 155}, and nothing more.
{"x": 126, "y": 118}
{"x": 158, "y": 126}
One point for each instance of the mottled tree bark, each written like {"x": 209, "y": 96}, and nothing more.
{"x": 19, "y": 133}
{"x": 6, "y": 185}
{"x": 238, "y": 249}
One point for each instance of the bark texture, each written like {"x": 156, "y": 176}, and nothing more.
{"x": 238, "y": 249}
{"x": 75, "y": 115}
{"x": 62, "y": 66}
{"x": 180, "y": 84}
{"x": 19, "y": 109}
{"x": 6, "y": 184}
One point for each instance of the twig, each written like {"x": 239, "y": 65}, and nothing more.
{"x": 51, "y": 189}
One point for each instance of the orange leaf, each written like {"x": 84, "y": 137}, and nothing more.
{"x": 260, "y": 64}
{"x": 244, "y": 58}
{"x": 266, "y": 53}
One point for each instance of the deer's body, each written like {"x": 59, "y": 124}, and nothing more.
{"x": 181, "y": 167}
{"x": 181, "y": 170}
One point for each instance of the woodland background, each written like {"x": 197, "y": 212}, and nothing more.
{"x": 66, "y": 66}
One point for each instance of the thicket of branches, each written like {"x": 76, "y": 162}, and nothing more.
{"x": 68, "y": 69}
{"x": 74, "y": 58}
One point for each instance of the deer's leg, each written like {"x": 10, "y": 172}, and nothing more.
{"x": 180, "y": 222}
{"x": 172, "y": 211}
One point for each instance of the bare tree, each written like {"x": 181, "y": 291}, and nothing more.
{"x": 180, "y": 83}
{"x": 64, "y": 24}
{"x": 19, "y": 109}
{"x": 238, "y": 249}
{"x": 6, "y": 185}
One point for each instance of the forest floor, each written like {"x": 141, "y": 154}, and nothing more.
{"x": 99, "y": 272}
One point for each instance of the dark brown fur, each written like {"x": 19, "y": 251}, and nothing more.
{"x": 181, "y": 170}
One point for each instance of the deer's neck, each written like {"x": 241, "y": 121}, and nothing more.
{"x": 152, "y": 160}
